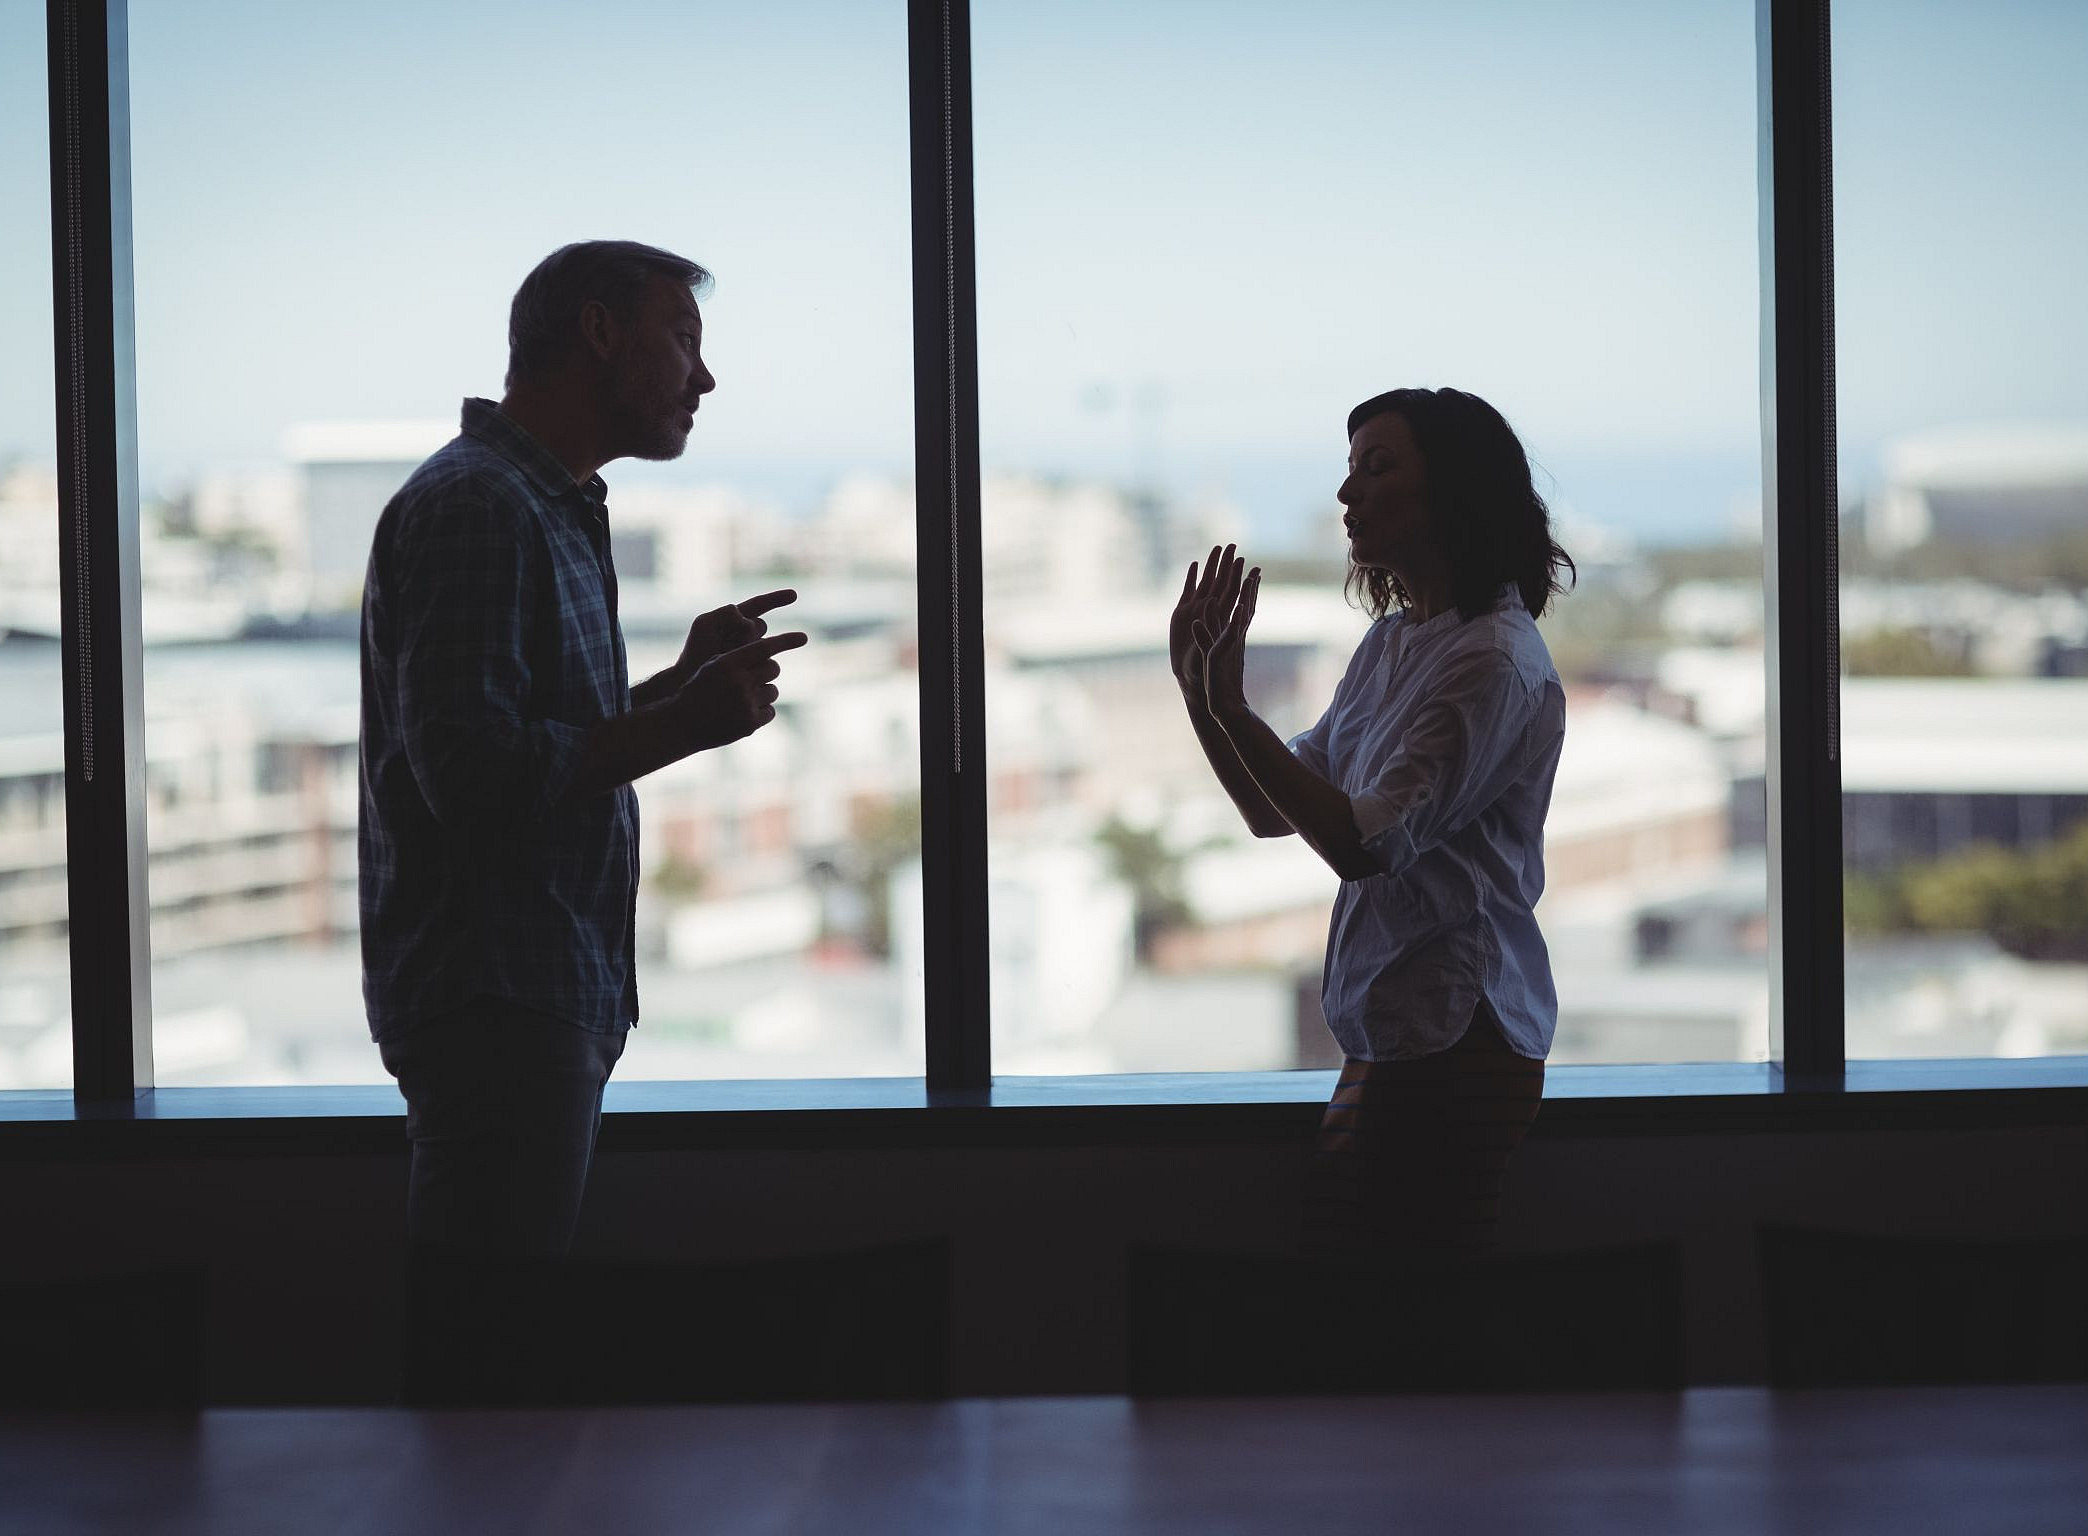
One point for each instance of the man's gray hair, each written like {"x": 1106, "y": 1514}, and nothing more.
{"x": 544, "y": 321}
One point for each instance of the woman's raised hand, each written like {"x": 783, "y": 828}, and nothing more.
{"x": 1223, "y": 656}
{"x": 1207, "y": 599}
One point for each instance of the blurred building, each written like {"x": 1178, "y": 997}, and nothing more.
{"x": 28, "y": 548}
{"x": 1113, "y": 648}
{"x": 1042, "y": 541}
{"x": 1637, "y": 797}
{"x": 1930, "y": 765}
{"x": 1982, "y": 485}
{"x": 250, "y": 800}
{"x": 677, "y": 543}
{"x": 264, "y": 506}
{"x": 347, "y": 471}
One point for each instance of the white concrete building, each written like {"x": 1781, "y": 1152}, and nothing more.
{"x": 347, "y": 471}
{"x": 1930, "y": 765}
{"x": 1981, "y": 484}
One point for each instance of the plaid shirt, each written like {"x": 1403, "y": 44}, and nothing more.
{"x": 490, "y": 648}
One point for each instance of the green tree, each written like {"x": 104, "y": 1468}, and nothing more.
{"x": 2033, "y": 902}
{"x": 1901, "y": 653}
{"x": 1142, "y": 859}
{"x": 2034, "y": 564}
{"x": 681, "y": 877}
{"x": 1674, "y": 564}
{"x": 886, "y": 838}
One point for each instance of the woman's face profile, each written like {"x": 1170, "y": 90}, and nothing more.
{"x": 1385, "y": 494}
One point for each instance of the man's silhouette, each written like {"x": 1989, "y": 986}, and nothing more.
{"x": 500, "y": 736}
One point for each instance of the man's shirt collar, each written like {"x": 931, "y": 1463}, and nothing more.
{"x": 485, "y": 421}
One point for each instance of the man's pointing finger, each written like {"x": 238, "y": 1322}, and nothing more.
{"x": 773, "y": 645}
{"x": 755, "y": 607}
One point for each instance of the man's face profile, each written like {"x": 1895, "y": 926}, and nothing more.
{"x": 654, "y": 373}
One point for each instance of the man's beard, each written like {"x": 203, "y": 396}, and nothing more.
{"x": 655, "y": 431}
{"x": 663, "y": 445}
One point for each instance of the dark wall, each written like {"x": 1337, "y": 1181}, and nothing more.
{"x": 303, "y": 1251}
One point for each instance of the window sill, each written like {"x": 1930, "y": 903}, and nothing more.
{"x": 1206, "y": 1107}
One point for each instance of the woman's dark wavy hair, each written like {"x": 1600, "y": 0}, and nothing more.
{"x": 1495, "y": 528}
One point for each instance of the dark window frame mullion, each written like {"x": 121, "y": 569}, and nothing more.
{"x": 946, "y": 516}
{"x": 102, "y": 645}
{"x": 1800, "y": 532}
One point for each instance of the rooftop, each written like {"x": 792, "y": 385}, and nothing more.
{"x": 1965, "y": 735}
{"x": 365, "y": 442}
{"x": 1985, "y": 456}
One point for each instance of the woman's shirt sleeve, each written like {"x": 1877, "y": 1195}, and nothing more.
{"x": 1310, "y": 746}
{"x": 1484, "y": 724}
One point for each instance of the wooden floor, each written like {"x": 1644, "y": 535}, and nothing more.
{"x": 1954, "y": 1462}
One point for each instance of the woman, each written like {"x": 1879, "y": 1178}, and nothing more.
{"x": 1424, "y": 786}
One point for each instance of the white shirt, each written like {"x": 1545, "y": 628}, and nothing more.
{"x": 1445, "y": 736}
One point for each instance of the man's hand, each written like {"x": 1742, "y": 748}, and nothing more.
{"x": 1206, "y": 599}
{"x": 731, "y": 695}
{"x": 1222, "y": 658}
{"x": 724, "y": 629}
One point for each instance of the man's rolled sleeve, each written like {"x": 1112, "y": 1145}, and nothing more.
{"x": 1463, "y": 749}
{"x": 466, "y": 594}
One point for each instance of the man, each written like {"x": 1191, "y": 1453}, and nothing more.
{"x": 500, "y": 738}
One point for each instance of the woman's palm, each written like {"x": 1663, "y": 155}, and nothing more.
{"x": 1206, "y": 600}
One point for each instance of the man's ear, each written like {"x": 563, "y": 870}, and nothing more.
{"x": 598, "y": 329}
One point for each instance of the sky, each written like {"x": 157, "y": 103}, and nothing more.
{"x": 1204, "y": 230}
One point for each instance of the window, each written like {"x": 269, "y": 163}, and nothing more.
{"x": 312, "y": 303}
{"x": 1253, "y": 221}
{"x": 1959, "y": 134}
{"x": 1173, "y": 311}
{"x": 35, "y": 975}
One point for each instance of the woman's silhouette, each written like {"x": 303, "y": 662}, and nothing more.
{"x": 1424, "y": 785}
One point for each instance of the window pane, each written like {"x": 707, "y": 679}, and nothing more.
{"x": 1252, "y": 220}
{"x": 1960, "y": 140}
{"x": 35, "y": 974}
{"x": 316, "y": 296}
